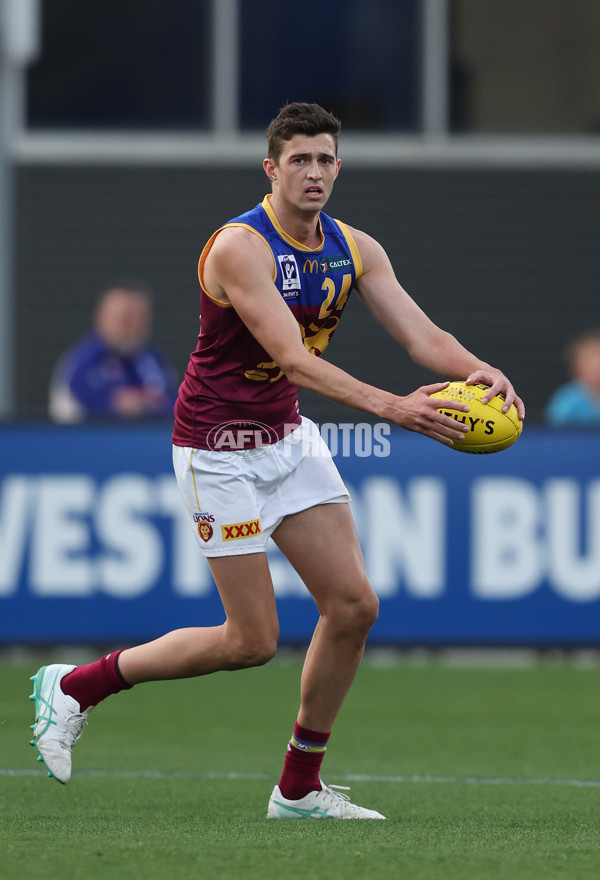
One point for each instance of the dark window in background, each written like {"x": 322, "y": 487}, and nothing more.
{"x": 121, "y": 64}
{"x": 525, "y": 68}
{"x": 359, "y": 58}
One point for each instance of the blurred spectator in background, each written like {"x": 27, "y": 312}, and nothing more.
{"x": 578, "y": 402}
{"x": 115, "y": 372}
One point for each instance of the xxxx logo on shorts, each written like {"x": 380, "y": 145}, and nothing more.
{"x": 234, "y": 531}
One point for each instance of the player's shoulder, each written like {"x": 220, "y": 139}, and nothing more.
{"x": 372, "y": 252}
{"x": 238, "y": 241}
{"x": 253, "y": 219}
{"x": 362, "y": 238}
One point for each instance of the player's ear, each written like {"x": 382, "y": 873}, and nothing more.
{"x": 270, "y": 169}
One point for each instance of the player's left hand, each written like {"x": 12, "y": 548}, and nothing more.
{"x": 499, "y": 384}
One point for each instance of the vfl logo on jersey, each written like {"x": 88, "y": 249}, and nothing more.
{"x": 289, "y": 273}
{"x": 234, "y": 531}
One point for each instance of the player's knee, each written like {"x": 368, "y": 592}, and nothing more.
{"x": 368, "y": 609}
{"x": 356, "y": 615}
{"x": 249, "y": 652}
{"x": 262, "y": 654}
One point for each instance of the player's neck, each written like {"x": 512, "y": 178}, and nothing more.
{"x": 302, "y": 226}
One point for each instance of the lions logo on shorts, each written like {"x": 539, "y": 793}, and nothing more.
{"x": 203, "y": 522}
{"x": 205, "y": 530}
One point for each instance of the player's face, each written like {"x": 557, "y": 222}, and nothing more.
{"x": 306, "y": 171}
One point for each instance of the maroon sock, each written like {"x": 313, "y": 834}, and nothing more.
{"x": 303, "y": 759}
{"x": 92, "y": 683}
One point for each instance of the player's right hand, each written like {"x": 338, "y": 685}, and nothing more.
{"x": 419, "y": 412}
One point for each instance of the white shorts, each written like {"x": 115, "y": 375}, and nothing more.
{"x": 236, "y": 499}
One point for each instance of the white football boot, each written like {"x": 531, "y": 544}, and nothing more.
{"x": 329, "y": 803}
{"x": 59, "y": 721}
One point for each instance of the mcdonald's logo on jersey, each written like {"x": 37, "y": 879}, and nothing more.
{"x": 310, "y": 266}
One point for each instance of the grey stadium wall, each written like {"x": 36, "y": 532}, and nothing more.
{"x": 508, "y": 260}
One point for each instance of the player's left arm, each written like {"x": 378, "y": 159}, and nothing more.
{"x": 426, "y": 343}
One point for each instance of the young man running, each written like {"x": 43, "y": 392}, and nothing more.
{"x": 274, "y": 283}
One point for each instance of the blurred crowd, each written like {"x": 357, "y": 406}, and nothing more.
{"x": 115, "y": 371}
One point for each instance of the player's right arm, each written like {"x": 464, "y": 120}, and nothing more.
{"x": 239, "y": 270}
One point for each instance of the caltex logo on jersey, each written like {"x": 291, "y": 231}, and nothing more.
{"x": 289, "y": 272}
{"x": 335, "y": 264}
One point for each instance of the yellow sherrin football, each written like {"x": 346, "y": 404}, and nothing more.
{"x": 491, "y": 430}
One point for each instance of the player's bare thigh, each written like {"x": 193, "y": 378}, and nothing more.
{"x": 246, "y": 590}
{"x": 322, "y": 545}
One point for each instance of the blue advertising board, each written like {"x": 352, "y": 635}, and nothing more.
{"x": 462, "y": 549}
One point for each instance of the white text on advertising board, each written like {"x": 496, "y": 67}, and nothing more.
{"x": 70, "y": 535}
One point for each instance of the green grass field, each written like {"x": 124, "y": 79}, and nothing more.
{"x": 483, "y": 773}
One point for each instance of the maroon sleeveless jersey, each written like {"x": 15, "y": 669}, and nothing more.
{"x": 231, "y": 382}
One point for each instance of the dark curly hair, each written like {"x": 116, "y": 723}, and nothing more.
{"x": 300, "y": 118}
